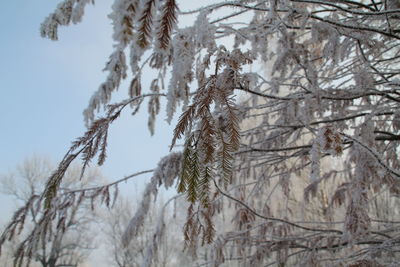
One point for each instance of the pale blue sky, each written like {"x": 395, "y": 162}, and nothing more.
{"x": 46, "y": 85}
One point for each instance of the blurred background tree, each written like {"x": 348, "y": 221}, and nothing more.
{"x": 69, "y": 244}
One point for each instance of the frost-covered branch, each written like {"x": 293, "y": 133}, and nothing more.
{"x": 290, "y": 106}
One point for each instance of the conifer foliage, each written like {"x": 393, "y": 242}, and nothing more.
{"x": 299, "y": 157}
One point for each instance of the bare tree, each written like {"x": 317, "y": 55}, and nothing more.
{"x": 68, "y": 244}
{"x": 327, "y": 108}
{"x": 169, "y": 251}
{"x": 115, "y": 222}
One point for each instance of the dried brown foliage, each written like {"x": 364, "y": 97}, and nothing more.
{"x": 167, "y": 22}
{"x": 145, "y": 23}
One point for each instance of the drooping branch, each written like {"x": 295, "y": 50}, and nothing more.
{"x": 94, "y": 141}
